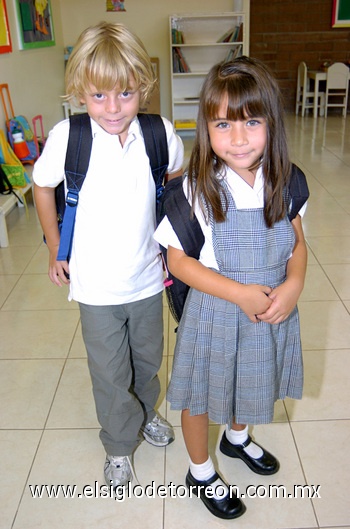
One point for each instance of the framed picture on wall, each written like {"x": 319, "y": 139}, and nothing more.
{"x": 35, "y": 26}
{"x": 5, "y": 37}
{"x": 341, "y": 14}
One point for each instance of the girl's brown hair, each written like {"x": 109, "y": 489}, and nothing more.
{"x": 251, "y": 91}
{"x": 108, "y": 55}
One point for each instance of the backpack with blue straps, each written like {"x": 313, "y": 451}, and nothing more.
{"x": 77, "y": 163}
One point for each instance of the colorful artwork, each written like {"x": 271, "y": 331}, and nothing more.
{"x": 115, "y": 5}
{"x": 341, "y": 14}
{"x": 5, "y": 38}
{"x": 35, "y": 23}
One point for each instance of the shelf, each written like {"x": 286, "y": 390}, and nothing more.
{"x": 207, "y": 44}
{"x": 190, "y": 101}
{"x": 197, "y": 42}
{"x": 190, "y": 74}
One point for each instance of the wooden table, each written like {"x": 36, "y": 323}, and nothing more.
{"x": 317, "y": 76}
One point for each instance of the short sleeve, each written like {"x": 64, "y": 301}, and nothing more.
{"x": 49, "y": 168}
{"x": 166, "y": 236}
{"x": 175, "y": 148}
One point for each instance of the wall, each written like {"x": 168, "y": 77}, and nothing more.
{"x": 284, "y": 33}
{"x": 35, "y": 77}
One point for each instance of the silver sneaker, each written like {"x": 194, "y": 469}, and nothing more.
{"x": 158, "y": 432}
{"x": 118, "y": 470}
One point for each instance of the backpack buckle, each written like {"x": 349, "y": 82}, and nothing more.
{"x": 72, "y": 198}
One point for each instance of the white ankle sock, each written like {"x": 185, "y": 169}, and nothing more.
{"x": 205, "y": 471}
{"x": 238, "y": 437}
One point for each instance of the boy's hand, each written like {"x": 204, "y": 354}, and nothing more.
{"x": 58, "y": 271}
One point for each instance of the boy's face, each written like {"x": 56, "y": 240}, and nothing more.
{"x": 113, "y": 110}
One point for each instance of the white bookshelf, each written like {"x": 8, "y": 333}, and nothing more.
{"x": 197, "y": 38}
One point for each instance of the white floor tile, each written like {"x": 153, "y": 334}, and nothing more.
{"x": 37, "y": 334}
{"x": 323, "y": 447}
{"x": 27, "y": 388}
{"x": 324, "y": 325}
{"x": 327, "y": 390}
{"x": 18, "y": 450}
{"x": 15, "y": 259}
{"x": 36, "y": 292}
{"x": 7, "y": 283}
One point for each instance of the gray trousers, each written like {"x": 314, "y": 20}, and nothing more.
{"x": 124, "y": 345}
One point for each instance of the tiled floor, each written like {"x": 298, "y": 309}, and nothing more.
{"x": 48, "y": 428}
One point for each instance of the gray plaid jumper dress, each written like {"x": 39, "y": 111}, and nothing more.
{"x": 223, "y": 363}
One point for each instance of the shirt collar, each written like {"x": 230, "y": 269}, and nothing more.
{"x": 133, "y": 132}
{"x": 259, "y": 180}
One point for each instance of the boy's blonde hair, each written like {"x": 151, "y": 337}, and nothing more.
{"x": 108, "y": 55}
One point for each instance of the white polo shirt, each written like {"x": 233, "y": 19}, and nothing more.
{"x": 114, "y": 257}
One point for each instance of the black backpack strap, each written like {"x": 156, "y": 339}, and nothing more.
{"x": 156, "y": 145}
{"x": 298, "y": 190}
{"x": 76, "y": 166}
{"x": 175, "y": 205}
{"x": 178, "y": 211}
{"x": 78, "y": 150}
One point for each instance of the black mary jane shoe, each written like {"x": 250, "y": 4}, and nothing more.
{"x": 228, "y": 507}
{"x": 266, "y": 464}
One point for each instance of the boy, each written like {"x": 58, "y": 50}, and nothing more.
{"x": 115, "y": 270}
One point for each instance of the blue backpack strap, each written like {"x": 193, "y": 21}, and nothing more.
{"x": 156, "y": 145}
{"x": 76, "y": 166}
{"x": 298, "y": 191}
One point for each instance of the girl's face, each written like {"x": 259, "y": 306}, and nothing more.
{"x": 240, "y": 144}
{"x": 113, "y": 110}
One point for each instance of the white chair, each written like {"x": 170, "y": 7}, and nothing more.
{"x": 337, "y": 86}
{"x": 305, "y": 98}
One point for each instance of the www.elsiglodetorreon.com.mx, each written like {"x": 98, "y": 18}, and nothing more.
{"x": 171, "y": 490}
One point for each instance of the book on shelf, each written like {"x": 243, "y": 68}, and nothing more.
{"x": 226, "y": 37}
{"x": 179, "y": 62}
{"x": 177, "y": 36}
{"x": 234, "y": 53}
{"x": 239, "y": 36}
{"x": 232, "y": 35}
{"x": 185, "y": 123}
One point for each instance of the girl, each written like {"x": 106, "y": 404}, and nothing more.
{"x": 238, "y": 345}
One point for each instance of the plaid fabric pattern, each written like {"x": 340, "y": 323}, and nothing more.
{"x": 224, "y": 364}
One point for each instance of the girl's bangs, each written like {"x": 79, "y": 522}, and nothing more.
{"x": 244, "y": 100}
